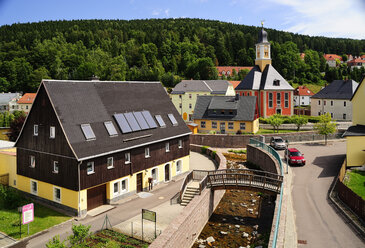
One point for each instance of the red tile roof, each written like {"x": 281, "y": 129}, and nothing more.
{"x": 363, "y": 56}
{"x": 224, "y": 69}
{"x": 235, "y": 83}
{"x": 354, "y": 61}
{"x": 332, "y": 57}
{"x": 27, "y": 98}
{"x": 303, "y": 91}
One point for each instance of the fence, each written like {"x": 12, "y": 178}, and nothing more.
{"x": 352, "y": 200}
{"x": 270, "y": 150}
{"x": 4, "y": 179}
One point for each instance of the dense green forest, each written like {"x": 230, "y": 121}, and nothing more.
{"x": 157, "y": 49}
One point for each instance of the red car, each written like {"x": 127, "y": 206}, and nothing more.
{"x": 294, "y": 157}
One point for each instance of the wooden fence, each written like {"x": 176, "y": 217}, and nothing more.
{"x": 4, "y": 179}
{"x": 352, "y": 200}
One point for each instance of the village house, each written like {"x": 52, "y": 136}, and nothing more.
{"x": 302, "y": 96}
{"x": 332, "y": 59}
{"x": 25, "y": 103}
{"x": 226, "y": 114}
{"x": 8, "y": 101}
{"x": 185, "y": 94}
{"x": 89, "y": 143}
{"x": 274, "y": 94}
{"x": 355, "y": 135}
{"x": 335, "y": 99}
{"x": 356, "y": 63}
{"x": 227, "y": 71}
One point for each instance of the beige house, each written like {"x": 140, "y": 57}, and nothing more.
{"x": 185, "y": 93}
{"x": 25, "y": 103}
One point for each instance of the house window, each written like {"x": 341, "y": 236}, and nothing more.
{"x": 344, "y": 103}
{"x": 147, "y": 152}
{"x": 331, "y": 103}
{"x": 180, "y": 105}
{"x": 190, "y": 105}
{"x": 319, "y": 113}
{"x": 180, "y": 96}
{"x": 52, "y": 132}
{"x": 324, "y": 102}
{"x": 90, "y": 168}
{"x": 189, "y": 96}
{"x": 180, "y": 143}
{"x": 302, "y": 96}
{"x": 123, "y": 186}
{"x": 223, "y": 126}
{"x": 202, "y": 124}
{"x": 319, "y": 102}
{"x": 214, "y": 124}
{"x": 178, "y": 167}
{"x": 56, "y": 194}
{"x": 331, "y": 115}
{"x": 26, "y": 107}
{"x": 286, "y": 102}
{"x": 109, "y": 162}
{"x": 222, "y": 112}
{"x": 127, "y": 157}
{"x": 116, "y": 188}
{"x": 344, "y": 116}
{"x": 167, "y": 146}
{"x": 276, "y": 82}
{"x": 35, "y": 130}
{"x": 230, "y": 125}
{"x": 154, "y": 175}
{"x": 242, "y": 126}
{"x": 270, "y": 100}
{"x": 55, "y": 167}
{"x": 278, "y": 98}
{"x": 32, "y": 161}
{"x": 33, "y": 187}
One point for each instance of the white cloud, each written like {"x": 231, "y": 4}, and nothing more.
{"x": 333, "y": 18}
{"x": 167, "y": 12}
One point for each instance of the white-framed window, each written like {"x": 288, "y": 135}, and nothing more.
{"x": 286, "y": 100}
{"x": 55, "y": 167}
{"x": 190, "y": 106}
{"x": 344, "y": 103}
{"x": 278, "y": 98}
{"x": 230, "y": 125}
{"x": 319, "y": 113}
{"x": 324, "y": 102}
{"x": 35, "y": 130}
{"x": 202, "y": 124}
{"x": 56, "y": 194}
{"x": 319, "y": 102}
{"x": 32, "y": 161}
{"x": 270, "y": 100}
{"x": 110, "y": 163}
{"x": 52, "y": 132}
{"x": 154, "y": 175}
{"x": 331, "y": 103}
{"x": 147, "y": 152}
{"x": 331, "y": 115}
{"x": 180, "y": 143}
{"x": 127, "y": 157}
{"x": 90, "y": 168}
{"x": 178, "y": 167}
{"x": 344, "y": 116}
{"x": 124, "y": 186}
{"x": 242, "y": 126}
{"x": 115, "y": 188}
{"x": 214, "y": 124}
{"x": 180, "y": 105}
{"x": 167, "y": 146}
{"x": 189, "y": 96}
{"x": 222, "y": 125}
{"x": 33, "y": 187}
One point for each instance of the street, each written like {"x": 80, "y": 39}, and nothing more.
{"x": 317, "y": 223}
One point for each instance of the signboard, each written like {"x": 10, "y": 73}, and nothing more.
{"x": 148, "y": 215}
{"x": 27, "y": 213}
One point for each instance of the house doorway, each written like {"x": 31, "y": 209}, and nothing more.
{"x": 139, "y": 182}
{"x": 167, "y": 172}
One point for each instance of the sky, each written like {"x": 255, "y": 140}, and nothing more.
{"x": 330, "y": 18}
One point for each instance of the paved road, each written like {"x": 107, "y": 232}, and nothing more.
{"x": 317, "y": 222}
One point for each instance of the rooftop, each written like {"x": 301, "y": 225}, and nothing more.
{"x": 338, "y": 89}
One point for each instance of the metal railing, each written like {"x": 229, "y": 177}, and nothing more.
{"x": 270, "y": 150}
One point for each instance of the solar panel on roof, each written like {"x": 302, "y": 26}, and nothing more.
{"x": 88, "y": 131}
{"x": 148, "y": 117}
{"x": 141, "y": 121}
{"x": 122, "y": 123}
{"x": 132, "y": 121}
{"x": 110, "y": 128}
{"x": 172, "y": 119}
{"x": 160, "y": 121}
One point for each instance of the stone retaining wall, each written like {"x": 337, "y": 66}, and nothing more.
{"x": 185, "y": 229}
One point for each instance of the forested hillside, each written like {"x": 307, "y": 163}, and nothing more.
{"x": 156, "y": 49}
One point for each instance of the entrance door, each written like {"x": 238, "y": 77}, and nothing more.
{"x": 139, "y": 182}
{"x": 167, "y": 172}
{"x": 96, "y": 197}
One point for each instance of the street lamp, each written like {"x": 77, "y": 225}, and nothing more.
{"x": 287, "y": 156}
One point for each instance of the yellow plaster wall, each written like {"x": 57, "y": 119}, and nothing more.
{"x": 251, "y": 126}
{"x": 358, "y": 102}
{"x": 45, "y": 190}
{"x": 8, "y": 164}
{"x": 262, "y": 63}
{"x": 355, "y": 153}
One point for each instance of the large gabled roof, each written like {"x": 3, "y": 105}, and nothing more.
{"x": 338, "y": 89}
{"x": 211, "y": 86}
{"x": 95, "y": 102}
{"x": 257, "y": 80}
{"x": 245, "y": 106}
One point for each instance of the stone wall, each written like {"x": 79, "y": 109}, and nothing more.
{"x": 239, "y": 141}
{"x": 185, "y": 229}
{"x": 263, "y": 159}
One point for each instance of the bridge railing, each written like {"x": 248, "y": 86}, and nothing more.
{"x": 272, "y": 151}
{"x": 247, "y": 171}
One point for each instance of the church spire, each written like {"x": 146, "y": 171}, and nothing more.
{"x": 263, "y": 56}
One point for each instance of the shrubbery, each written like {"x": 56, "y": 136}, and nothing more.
{"x": 10, "y": 198}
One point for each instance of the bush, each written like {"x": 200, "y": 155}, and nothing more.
{"x": 10, "y": 198}
{"x": 262, "y": 120}
{"x": 239, "y": 132}
{"x": 213, "y": 154}
{"x": 313, "y": 119}
{"x": 204, "y": 149}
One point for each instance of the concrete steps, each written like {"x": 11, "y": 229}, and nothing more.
{"x": 189, "y": 194}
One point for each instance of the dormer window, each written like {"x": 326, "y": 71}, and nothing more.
{"x": 88, "y": 131}
{"x": 276, "y": 82}
{"x": 231, "y": 112}
{"x": 222, "y": 112}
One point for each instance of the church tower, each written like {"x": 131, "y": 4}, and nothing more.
{"x": 263, "y": 56}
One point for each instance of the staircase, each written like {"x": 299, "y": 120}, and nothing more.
{"x": 189, "y": 194}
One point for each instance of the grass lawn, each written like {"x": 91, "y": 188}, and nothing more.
{"x": 43, "y": 219}
{"x": 265, "y": 131}
{"x": 356, "y": 182}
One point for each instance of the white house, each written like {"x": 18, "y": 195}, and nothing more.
{"x": 302, "y": 96}
{"x": 335, "y": 99}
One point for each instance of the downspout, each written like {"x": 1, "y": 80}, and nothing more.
{"x": 78, "y": 172}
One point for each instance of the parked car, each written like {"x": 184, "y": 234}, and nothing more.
{"x": 277, "y": 143}
{"x": 294, "y": 157}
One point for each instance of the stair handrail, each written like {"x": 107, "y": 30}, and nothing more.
{"x": 187, "y": 179}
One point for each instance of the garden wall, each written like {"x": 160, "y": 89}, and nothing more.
{"x": 183, "y": 231}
